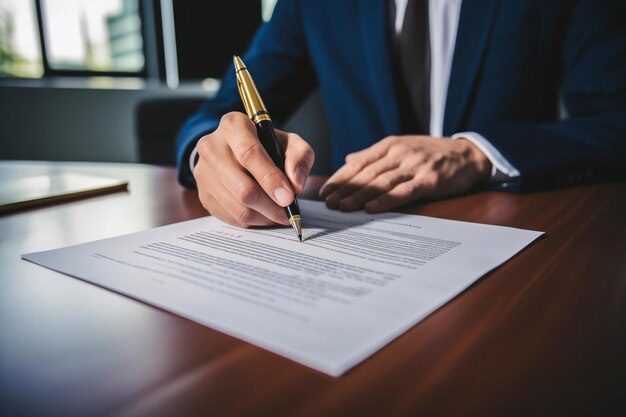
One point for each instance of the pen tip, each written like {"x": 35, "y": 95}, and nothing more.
{"x": 238, "y": 63}
{"x": 297, "y": 226}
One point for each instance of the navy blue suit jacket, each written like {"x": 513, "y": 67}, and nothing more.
{"x": 513, "y": 61}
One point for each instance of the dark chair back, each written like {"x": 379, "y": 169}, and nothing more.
{"x": 158, "y": 121}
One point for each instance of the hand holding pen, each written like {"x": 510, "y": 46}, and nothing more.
{"x": 238, "y": 181}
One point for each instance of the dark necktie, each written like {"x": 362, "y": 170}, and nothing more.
{"x": 414, "y": 57}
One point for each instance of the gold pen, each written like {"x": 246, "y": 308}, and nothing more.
{"x": 265, "y": 130}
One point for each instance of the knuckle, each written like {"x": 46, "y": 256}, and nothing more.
{"x": 203, "y": 146}
{"x": 306, "y": 147}
{"x": 301, "y": 151}
{"x": 402, "y": 149}
{"x": 416, "y": 160}
{"x": 407, "y": 188}
{"x": 432, "y": 178}
{"x": 436, "y": 156}
{"x": 385, "y": 182}
{"x": 203, "y": 178}
{"x": 291, "y": 136}
{"x": 243, "y": 216}
{"x": 370, "y": 173}
{"x": 390, "y": 140}
{"x": 408, "y": 148}
{"x": 350, "y": 157}
{"x": 269, "y": 176}
{"x": 247, "y": 152}
{"x": 247, "y": 193}
{"x": 230, "y": 118}
{"x": 357, "y": 162}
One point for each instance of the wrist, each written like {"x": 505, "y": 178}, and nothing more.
{"x": 478, "y": 160}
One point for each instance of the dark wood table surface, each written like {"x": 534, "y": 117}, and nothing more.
{"x": 544, "y": 334}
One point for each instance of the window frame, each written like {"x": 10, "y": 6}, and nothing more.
{"x": 48, "y": 70}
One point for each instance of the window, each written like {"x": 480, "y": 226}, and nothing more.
{"x": 20, "y": 55}
{"x": 71, "y": 37}
{"x": 159, "y": 39}
{"x": 88, "y": 35}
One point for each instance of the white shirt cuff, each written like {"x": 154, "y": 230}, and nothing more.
{"x": 501, "y": 168}
{"x": 192, "y": 158}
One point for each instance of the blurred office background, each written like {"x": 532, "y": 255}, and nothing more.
{"x": 109, "y": 80}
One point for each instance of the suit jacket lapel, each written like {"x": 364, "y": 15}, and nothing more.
{"x": 475, "y": 26}
{"x": 374, "y": 30}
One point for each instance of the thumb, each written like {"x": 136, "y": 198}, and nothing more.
{"x": 299, "y": 158}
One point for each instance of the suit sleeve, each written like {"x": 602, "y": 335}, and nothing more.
{"x": 278, "y": 60}
{"x": 590, "y": 144}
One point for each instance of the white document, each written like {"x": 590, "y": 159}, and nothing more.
{"x": 355, "y": 283}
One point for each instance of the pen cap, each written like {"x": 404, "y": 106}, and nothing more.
{"x": 250, "y": 97}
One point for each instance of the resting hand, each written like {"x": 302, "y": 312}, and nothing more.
{"x": 401, "y": 169}
{"x": 237, "y": 180}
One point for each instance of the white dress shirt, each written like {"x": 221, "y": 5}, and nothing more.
{"x": 444, "y": 21}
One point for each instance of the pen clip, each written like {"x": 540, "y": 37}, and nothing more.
{"x": 244, "y": 99}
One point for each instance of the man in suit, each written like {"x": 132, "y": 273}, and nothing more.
{"x": 424, "y": 98}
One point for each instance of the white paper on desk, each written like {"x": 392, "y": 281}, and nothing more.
{"x": 354, "y": 284}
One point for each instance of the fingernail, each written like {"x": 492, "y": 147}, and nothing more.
{"x": 283, "y": 197}
{"x": 300, "y": 175}
{"x": 347, "y": 203}
{"x": 372, "y": 205}
{"x": 325, "y": 190}
{"x": 332, "y": 201}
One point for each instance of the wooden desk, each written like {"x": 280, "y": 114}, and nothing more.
{"x": 542, "y": 335}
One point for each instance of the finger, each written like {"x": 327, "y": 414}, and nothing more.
{"x": 362, "y": 180}
{"x": 374, "y": 152}
{"x": 382, "y": 184}
{"x": 248, "y": 193}
{"x": 401, "y": 194}
{"x": 355, "y": 162}
{"x": 299, "y": 158}
{"x": 223, "y": 206}
{"x": 214, "y": 208}
{"x": 339, "y": 178}
{"x": 250, "y": 154}
{"x": 244, "y": 217}
{"x": 209, "y": 203}
{"x": 219, "y": 201}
